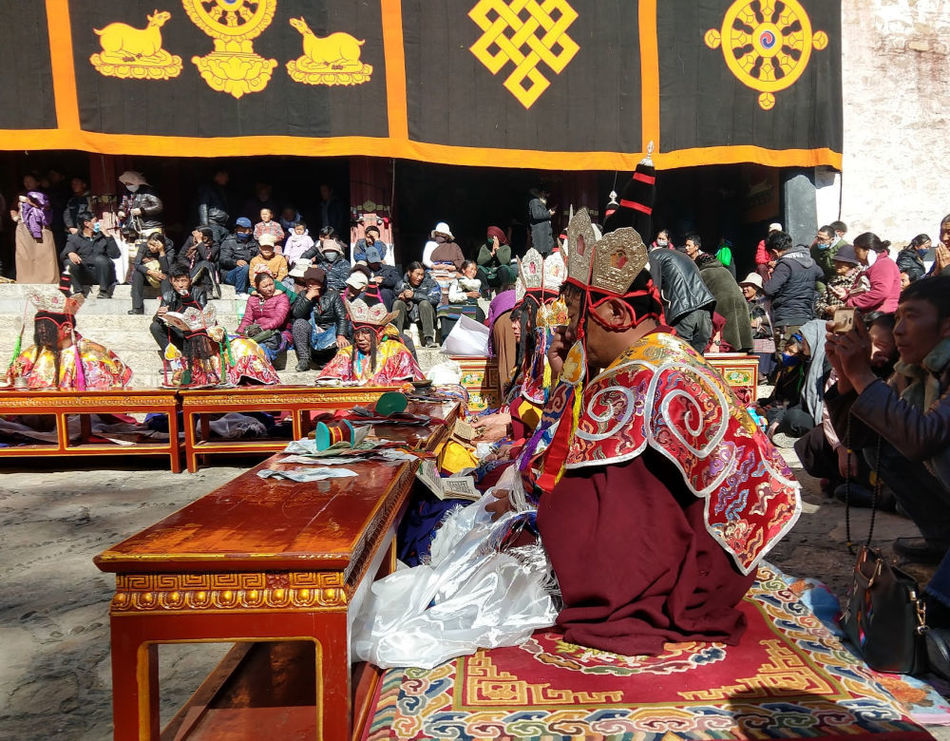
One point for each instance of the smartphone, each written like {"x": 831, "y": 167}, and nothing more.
{"x": 843, "y": 321}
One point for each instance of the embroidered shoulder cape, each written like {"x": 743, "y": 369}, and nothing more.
{"x": 661, "y": 393}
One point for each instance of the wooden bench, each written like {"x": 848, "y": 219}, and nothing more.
{"x": 199, "y": 405}
{"x": 64, "y": 404}
{"x": 259, "y": 560}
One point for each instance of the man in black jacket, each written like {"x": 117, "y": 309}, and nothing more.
{"x": 417, "y": 296}
{"x": 237, "y": 251}
{"x": 152, "y": 264}
{"x": 687, "y": 303}
{"x": 89, "y": 254}
{"x": 200, "y": 253}
{"x": 140, "y": 209}
{"x": 792, "y": 287}
{"x": 320, "y": 321}
{"x": 327, "y": 253}
{"x": 77, "y": 205}
{"x": 181, "y": 296}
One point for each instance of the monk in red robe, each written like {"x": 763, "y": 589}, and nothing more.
{"x": 659, "y": 495}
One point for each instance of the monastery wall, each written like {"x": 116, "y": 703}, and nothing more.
{"x": 896, "y": 89}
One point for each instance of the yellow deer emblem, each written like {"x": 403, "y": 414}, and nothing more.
{"x": 328, "y": 60}
{"x": 136, "y": 52}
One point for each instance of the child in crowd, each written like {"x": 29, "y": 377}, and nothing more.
{"x": 463, "y": 298}
{"x": 267, "y": 225}
{"x": 297, "y": 243}
{"x": 276, "y": 264}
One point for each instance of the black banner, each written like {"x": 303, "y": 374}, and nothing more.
{"x": 26, "y": 77}
{"x": 183, "y": 103}
{"x": 556, "y": 84}
{"x": 590, "y": 103}
{"x": 706, "y": 103}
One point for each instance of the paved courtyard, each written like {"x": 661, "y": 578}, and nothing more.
{"x": 55, "y": 677}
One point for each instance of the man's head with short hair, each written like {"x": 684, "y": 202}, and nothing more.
{"x": 826, "y": 235}
{"x": 779, "y": 242}
{"x": 693, "y": 245}
{"x": 923, "y": 318}
{"x": 840, "y": 228}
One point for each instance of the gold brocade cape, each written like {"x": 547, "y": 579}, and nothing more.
{"x": 661, "y": 393}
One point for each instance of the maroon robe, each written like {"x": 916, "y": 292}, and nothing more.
{"x": 635, "y": 562}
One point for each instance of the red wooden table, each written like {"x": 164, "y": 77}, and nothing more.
{"x": 63, "y": 404}
{"x": 259, "y": 560}
{"x": 198, "y": 405}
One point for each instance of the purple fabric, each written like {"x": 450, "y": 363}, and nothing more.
{"x": 36, "y": 218}
{"x": 504, "y": 301}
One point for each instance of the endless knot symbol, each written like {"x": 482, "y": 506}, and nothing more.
{"x": 526, "y": 33}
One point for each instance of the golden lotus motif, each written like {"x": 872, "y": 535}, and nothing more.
{"x": 329, "y": 60}
{"x": 233, "y": 67}
{"x": 135, "y": 53}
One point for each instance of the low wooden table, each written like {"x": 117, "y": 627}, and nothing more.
{"x": 260, "y": 560}
{"x": 255, "y": 560}
{"x": 198, "y": 405}
{"x": 63, "y": 404}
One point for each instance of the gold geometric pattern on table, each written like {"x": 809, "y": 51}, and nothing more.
{"x": 527, "y": 34}
{"x": 766, "y": 44}
{"x": 233, "y": 67}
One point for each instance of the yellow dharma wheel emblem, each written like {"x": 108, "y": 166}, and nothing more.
{"x": 766, "y": 44}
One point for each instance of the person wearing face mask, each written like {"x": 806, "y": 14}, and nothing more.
{"x": 662, "y": 240}
{"x": 140, "y": 209}
{"x": 910, "y": 260}
{"x": 88, "y": 256}
{"x": 237, "y": 251}
{"x": 327, "y": 253}
{"x": 824, "y": 249}
{"x": 797, "y": 401}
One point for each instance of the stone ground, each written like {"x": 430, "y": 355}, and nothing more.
{"x": 55, "y": 677}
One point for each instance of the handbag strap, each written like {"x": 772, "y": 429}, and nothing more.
{"x": 875, "y": 491}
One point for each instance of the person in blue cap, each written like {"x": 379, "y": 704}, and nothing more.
{"x": 237, "y": 250}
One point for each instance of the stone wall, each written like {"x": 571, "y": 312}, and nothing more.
{"x": 896, "y": 88}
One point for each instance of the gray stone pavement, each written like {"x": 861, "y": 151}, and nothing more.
{"x": 55, "y": 680}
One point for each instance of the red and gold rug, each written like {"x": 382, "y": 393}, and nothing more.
{"x": 789, "y": 678}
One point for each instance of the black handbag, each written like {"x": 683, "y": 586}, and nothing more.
{"x": 886, "y": 617}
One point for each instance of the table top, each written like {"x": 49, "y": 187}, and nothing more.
{"x": 47, "y": 395}
{"x": 274, "y": 524}
{"x": 289, "y": 393}
{"x": 267, "y": 524}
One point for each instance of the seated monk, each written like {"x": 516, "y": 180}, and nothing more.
{"x": 661, "y": 496}
{"x": 535, "y": 315}
{"x": 377, "y": 356}
{"x": 61, "y": 358}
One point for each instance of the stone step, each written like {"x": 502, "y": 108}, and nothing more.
{"x": 122, "y": 290}
{"x": 155, "y": 379}
{"x": 14, "y": 306}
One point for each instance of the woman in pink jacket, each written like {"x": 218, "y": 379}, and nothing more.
{"x": 266, "y": 317}
{"x": 878, "y": 288}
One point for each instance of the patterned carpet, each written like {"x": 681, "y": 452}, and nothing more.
{"x": 790, "y": 678}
